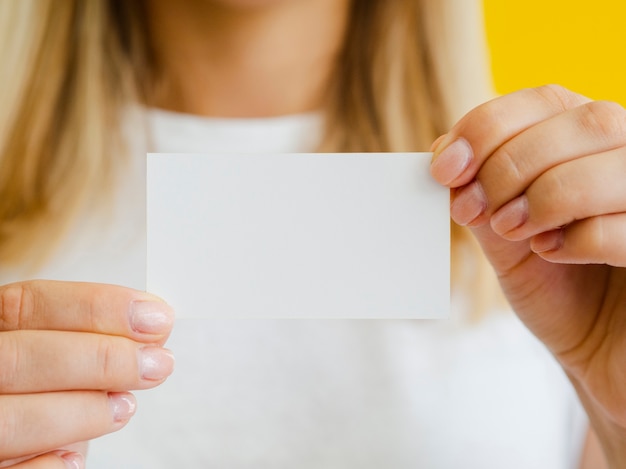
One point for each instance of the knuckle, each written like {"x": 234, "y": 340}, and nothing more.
{"x": 92, "y": 308}
{"x": 605, "y": 119}
{"x": 16, "y": 305}
{"x": 107, "y": 365}
{"x": 487, "y": 112}
{"x": 558, "y": 97}
{"x": 554, "y": 189}
{"x": 10, "y": 427}
{"x": 594, "y": 238}
{"x": 508, "y": 165}
{"x": 488, "y": 119}
{"x": 10, "y": 359}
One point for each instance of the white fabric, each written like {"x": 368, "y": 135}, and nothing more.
{"x": 325, "y": 393}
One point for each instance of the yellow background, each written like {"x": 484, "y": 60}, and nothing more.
{"x": 580, "y": 44}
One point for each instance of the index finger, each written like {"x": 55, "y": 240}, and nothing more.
{"x": 460, "y": 154}
{"x": 84, "y": 307}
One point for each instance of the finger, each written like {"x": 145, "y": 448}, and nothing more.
{"x": 53, "y": 460}
{"x": 459, "y": 156}
{"x": 597, "y": 240}
{"x": 86, "y": 307}
{"x": 580, "y": 189}
{"x": 36, "y": 423}
{"x": 35, "y": 361}
{"x": 592, "y": 128}
{"x": 73, "y": 454}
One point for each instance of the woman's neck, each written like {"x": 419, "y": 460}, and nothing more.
{"x": 219, "y": 59}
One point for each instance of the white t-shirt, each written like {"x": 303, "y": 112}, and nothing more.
{"x": 318, "y": 393}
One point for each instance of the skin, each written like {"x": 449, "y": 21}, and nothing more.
{"x": 231, "y": 58}
{"x": 530, "y": 176}
{"x": 70, "y": 353}
{"x": 538, "y": 176}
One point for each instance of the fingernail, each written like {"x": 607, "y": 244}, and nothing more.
{"x": 452, "y": 161}
{"x": 155, "y": 363}
{"x": 437, "y": 142}
{"x": 123, "y": 405}
{"x": 73, "y": 460}
{"x": 548, "y": 241}
{"x": 511, "y": 216}
{"x": 151, "y": 317}
{"x": 469, "y": 203}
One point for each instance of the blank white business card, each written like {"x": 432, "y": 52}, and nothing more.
{"x": 350, "y": 235}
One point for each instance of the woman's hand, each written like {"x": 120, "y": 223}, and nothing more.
{"x": 69, "y": 352}
{"x": 540, "y": 177}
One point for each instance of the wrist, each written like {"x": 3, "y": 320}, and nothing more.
{"x": 613, "y": 443}
{"x": 611, "y": 435}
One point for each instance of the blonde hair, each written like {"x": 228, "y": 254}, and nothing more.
{"x": 402, "y": 79}
{"x": 65, "y": 78}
